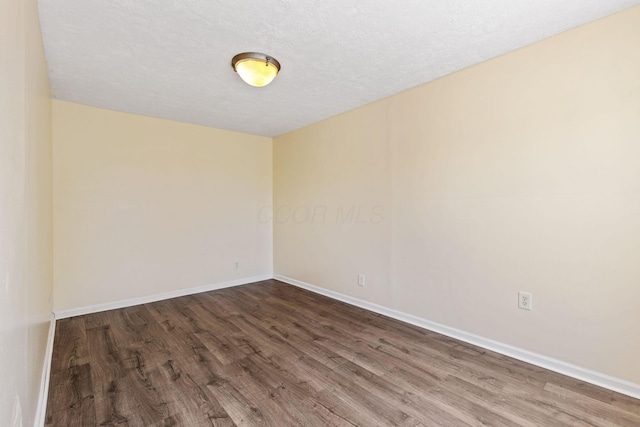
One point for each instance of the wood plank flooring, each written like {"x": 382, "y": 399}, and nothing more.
{"x": 270, "y": 354}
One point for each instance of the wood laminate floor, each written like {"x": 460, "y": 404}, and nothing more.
{"x": 272, "y": 354}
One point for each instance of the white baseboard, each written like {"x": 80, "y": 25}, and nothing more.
{"x": 593, "y": 377}
{"x": 41, "y": 411}
{"x": 158, "y": 297}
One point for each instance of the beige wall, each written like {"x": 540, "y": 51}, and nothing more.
{"x": 145, "y": 206}
{"x": 25, "y": 211}
{"x": 521, "y": 173}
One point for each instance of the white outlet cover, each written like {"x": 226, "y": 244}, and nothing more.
{"x": 525, "y": 300}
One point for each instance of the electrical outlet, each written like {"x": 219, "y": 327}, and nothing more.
{"x": 525, "y": 300}
{"x": 236, "y": 265}
{"x": 361, "y": 280}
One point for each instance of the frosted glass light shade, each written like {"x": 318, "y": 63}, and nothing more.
{"x": 256, "y": 69}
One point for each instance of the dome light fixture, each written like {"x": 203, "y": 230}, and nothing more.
{"x": 256, "y": 69}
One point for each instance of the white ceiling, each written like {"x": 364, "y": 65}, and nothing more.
{"x": 171, "y": 58}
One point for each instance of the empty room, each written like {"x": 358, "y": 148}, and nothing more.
{"x": 319, "y": 213}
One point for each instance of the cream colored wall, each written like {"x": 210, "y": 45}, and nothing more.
{"x": 521, "y": 173}
{"x": 145, "y": 206}
{"x": 25, "y": 211}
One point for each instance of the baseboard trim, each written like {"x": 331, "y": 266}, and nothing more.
{"x": 62, "y": 314}
{"x": 568, "y": 369}
{"x": 43, "y": 396}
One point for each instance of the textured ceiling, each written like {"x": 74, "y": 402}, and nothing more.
{"x": 171, "y": 58}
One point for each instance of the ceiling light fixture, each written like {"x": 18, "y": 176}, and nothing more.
{"x": 256, "y": 69}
